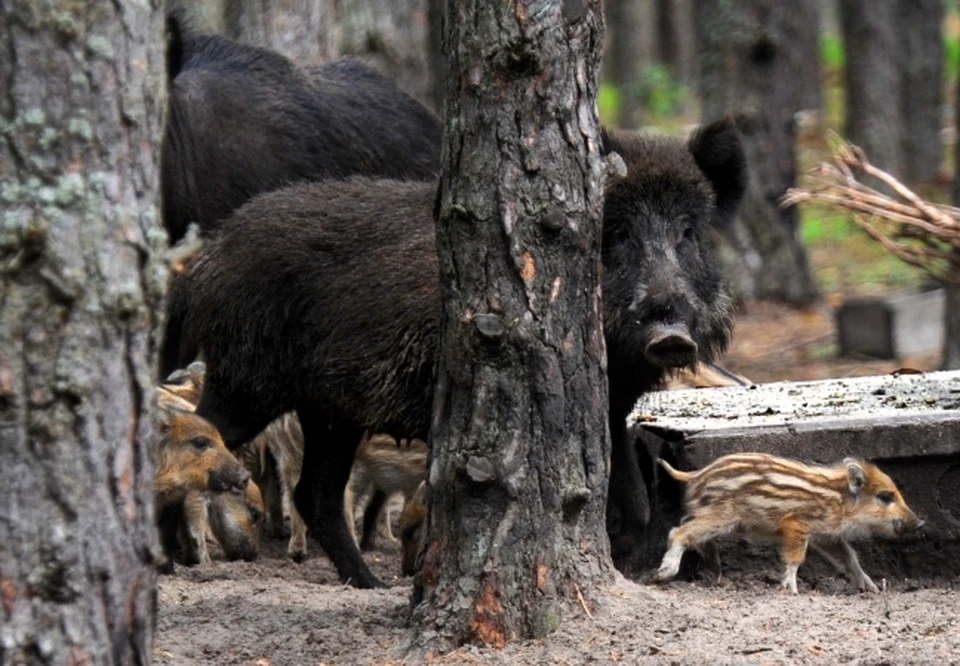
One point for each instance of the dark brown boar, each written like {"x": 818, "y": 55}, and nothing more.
{"x": 323, "y": 298}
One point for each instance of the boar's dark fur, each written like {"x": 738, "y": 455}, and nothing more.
{"x": 324, "y": 298}
{"x": 245, "y": 120}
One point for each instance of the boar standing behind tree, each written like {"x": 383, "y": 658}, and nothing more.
{"x": 244, "y": 120}
{"x": 323, "y": 298}
{"x": 764, "y": 497}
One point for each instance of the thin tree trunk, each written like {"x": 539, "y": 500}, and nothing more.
{"x": 520, "y": 443}
{"x": 306, "y": 31}
{"x": 436, "y": 58}
{"x": 676, "y": 43}
{"x": 921, "y": 69}
{"x": 752, "y": 55}
{"x": 872, "y": 72}
{"x": 951, "y": 307}
{"x": 631, "y": 44}
{"x": 805, "y": 27}
{"x": 82, "y": 281}
{"x": 393, "y": 36}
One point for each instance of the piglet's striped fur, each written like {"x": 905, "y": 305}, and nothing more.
{"x": 760, "y": 496}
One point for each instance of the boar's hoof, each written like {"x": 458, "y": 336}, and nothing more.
{"x": 671, "y": 347}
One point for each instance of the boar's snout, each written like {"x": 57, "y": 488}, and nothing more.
{"x": 229, "y": 477}
{"x": 671, "y": 346}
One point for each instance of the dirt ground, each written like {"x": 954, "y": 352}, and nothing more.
{"x": 274, "y": 612}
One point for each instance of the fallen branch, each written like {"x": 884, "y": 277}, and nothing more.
{"x": 921, "y": 233}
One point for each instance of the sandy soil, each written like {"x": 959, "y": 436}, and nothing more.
{"x": 274, "y": 612}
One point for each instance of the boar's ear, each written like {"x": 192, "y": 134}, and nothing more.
{"x": 718, "y": 152}
{"x": 177, "y": 24}
{"x": 608, "y": 142}
{"x": 856, "y": 477}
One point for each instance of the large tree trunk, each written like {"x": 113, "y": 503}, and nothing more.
{"x": 391, "y": 35}
{"x": 81, "y": 285}
{"x": 306, "y": 31}
{"x": 872, "y": 77}
{"x": 921, "y": 70}
{"x": 753, "y": 53}
{"x": 630, "y": 47}
{"x": 520, "y": 443}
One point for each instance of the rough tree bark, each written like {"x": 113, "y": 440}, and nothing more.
{"x": 630, "y": 47}
{"x": 752, "y": 53}
{"x": 80, "y": 242}
{"x": 306, "y": 31}
{"x": 872, "y": 74}
{"x": 921, "y": 76}
{"x": 520, "y": 443}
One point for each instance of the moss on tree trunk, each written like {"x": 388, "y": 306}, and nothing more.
{"x": 80, "y": 242}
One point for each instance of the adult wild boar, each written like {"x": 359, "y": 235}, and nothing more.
{"x": 324, "y": 298}
{"x": 244, "y": 120}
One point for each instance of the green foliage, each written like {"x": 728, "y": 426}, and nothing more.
{"x": 832, "y": 55}
{"x": 660, "y": 93}
{"x": 844, "y": 258}
{"x": 608, "y": 104}
{"x": 951, "y": 55}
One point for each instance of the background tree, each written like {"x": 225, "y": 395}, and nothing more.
{"x": 81, "y": 282}
{"x": 753, "y": 53}
{"x": 306, "y": 32}
{"x": 951, "y": 306}
{"x": 676, "y": 41}
{"x": 920, "y": 24}
{"x": 520, "y": 442}
{"x": 872, "y": 78}
{"x": 630, "y": 44}
{"x": 390, "y": 35}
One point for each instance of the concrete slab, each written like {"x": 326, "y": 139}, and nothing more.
{"x": 908, "y": 424}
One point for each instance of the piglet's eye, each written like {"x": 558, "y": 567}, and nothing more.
{"x": 885, "y": 497}
{"x": 201, "y": 443}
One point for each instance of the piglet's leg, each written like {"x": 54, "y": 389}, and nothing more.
{"x": 793, "y": 549}
{"x": 692, "y": 534}
{"x": 843, "y": 557}
{"x": 711, "y": 555}
{"x": 195, "y": 515}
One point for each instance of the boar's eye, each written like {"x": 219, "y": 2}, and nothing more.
{"x": 201, "y": 443}
{"x": 619, "y": 235}
{"x": 885, "y": 497}
{"x": 255, "y": 514}
{"x": 687, "y": 233}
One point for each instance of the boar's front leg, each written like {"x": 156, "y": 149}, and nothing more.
{"x": 842, "y": 555}
{"x": 628, "y": 506}
{"x": 328, "y": 454}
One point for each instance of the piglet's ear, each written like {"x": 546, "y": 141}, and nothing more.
{"x": 856, "y": 478}
{"x": 718, "y": 151}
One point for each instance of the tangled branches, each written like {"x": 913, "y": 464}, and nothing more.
{"x": 920, "y": 233}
